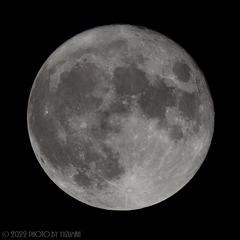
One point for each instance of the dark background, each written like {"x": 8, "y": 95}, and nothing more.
{"x": 31, "y": 201}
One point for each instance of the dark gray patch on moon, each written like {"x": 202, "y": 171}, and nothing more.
{"x": 182, "y": 71}
{"x": 73, "y": 95}
{"x": 76, "y": 86}
{"x": 129, "y": 80}
{"x": 189, "y": 104}
{"x": 155, "y": 99}
{"x": 107, "y": 167}
{"x": 175, "y": 132}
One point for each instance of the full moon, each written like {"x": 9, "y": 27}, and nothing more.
{"x": 120, "y": 117}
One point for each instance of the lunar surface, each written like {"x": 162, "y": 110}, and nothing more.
{"x": 120, "y": 117}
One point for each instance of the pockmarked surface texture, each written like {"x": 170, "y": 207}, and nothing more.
{"x": 120, "y": 117}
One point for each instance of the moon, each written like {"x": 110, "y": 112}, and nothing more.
{"x": 120, "y": 117}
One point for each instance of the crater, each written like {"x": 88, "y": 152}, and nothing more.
{"x": 182, "y": 71}
{"x": 42, "y": 160}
